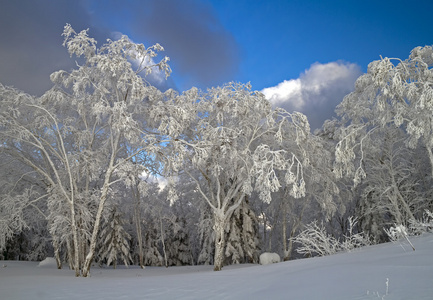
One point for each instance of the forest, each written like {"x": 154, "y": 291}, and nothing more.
{"x": 105, "y": 169}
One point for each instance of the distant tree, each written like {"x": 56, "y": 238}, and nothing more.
{"x": 140, "y": 190}
{"x": 206, "y": 236}
{"x": 152, "y": 254}
{"x": 243, "y": 245}
{"x": 115, "y": 240}
{"x": 178, "y": 242}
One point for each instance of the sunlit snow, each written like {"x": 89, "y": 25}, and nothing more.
{"x": 385, "y": 271}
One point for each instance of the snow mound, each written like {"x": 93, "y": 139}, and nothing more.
{"x": 48, "y": 262}
{"x": 269, "y": 258}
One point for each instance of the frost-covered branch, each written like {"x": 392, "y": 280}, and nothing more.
{"x": 315, "y": 240}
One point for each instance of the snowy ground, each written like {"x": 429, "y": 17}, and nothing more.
{"x": 361, "y": 274}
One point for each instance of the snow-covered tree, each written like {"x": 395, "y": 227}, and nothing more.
{"x": 243, "y": 236}
{"x": 115, "y": 240}
{"x": 188, "y": 208}
{"x": 140, "y": 190}
{"x": 152, "y": 254}
{"x": 389, "y": 193}
{"x": 390, "y": 94}
{"x": 321, "y": 197}
{"x": 23, "y": 219}
{"x": 206, "y": 236}
{"x": 387, "y": 122}
{"x": 221, "y": 135}
{"x": 76, "y": 136}
{"x": 178, "y": 243}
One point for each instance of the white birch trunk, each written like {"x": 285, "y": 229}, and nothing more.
{"x": 219, "y": 240}
{"x": 92, "y": 247}
{"x": 75, "y": 240}
{"x": 102, "y": 200}
{"x": 284, "y": 209}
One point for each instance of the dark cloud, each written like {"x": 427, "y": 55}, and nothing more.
{"x": 202, "y": 52}
{"x": 31, "y": 43}
{"x": 317, "y": 91}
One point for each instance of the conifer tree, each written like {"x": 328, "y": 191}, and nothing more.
{"x": 115, "y": 240}
{"x": 178, "y": 246}
{"x": 242, "y": 236}
{"x": 206, "y": 237}
{"x": 152, "y": 254}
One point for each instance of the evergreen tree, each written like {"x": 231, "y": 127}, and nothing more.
{"x": 178, "y": 246}
{"x": 152, "y": 254}
{"x": 206, "y": 237}
{"x": 115, "y": 239}
{"x": 242, "y": 236}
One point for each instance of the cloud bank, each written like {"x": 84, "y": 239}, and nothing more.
{"x": 201, "y": 49}
{"x": 317, "y": 91}
{"x": 31, "y": 42}
{"x": 202, "y": 52}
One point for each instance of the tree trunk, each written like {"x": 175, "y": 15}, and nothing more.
{"x": 270, "y": 239}
{"x": 162, "y": 240}
{"x": 265, "y": 228}
{"x": 92, "y": 247}
{"x": 57, "y": 253}
{"x": 284, "y": 211}
{"x": 219, "y": 240}
{"x": 70, "y": 252}
{"x": 81, "y": 241}
{"x": 137, "y": 217}
{"x": 295, "y": 225}
{"x": 430, "y": 156}
{"x": 288, "y": 253}
{"x": 102, "y": 200}
{"x": 75, "y": 241}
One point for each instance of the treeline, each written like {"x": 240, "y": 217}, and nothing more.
{"x": 105, "y": 169}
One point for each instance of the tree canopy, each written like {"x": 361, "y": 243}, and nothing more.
{"x": 106, "y": 168}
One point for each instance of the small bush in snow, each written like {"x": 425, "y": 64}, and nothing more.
{"x": 269, "y": 258}
{"x": 418, "y": 227}
{"x": 399, "y": 232}
{"x": 354, "y": 240}
{"x": 315, "y": 240}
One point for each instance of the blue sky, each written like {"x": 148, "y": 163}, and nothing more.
{"x": 304, "y": 55}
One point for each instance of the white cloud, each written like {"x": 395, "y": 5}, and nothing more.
{"x": 284, "y": 91}
{"x": 317, "y": 91}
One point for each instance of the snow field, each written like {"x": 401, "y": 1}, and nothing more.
{"x": 361, "y": 274}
